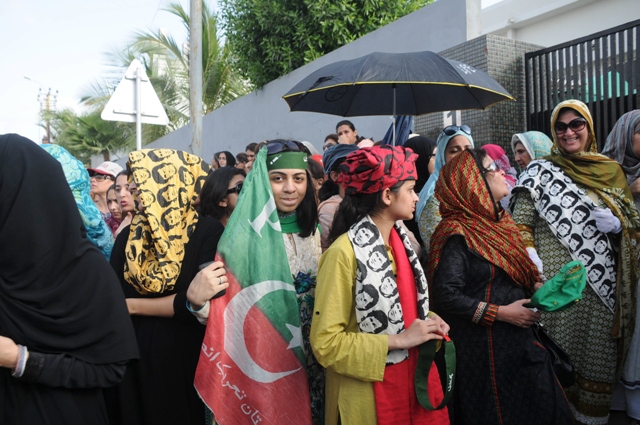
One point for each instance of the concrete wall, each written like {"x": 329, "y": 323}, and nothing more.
{"x": 550, "y": 22}
{"x": 263, "y": 114}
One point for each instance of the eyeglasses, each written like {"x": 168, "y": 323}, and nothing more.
{"x": 235, "y": 189}
{"x": 453, "y": 129}
{"x": 575, "y": 125}
{"x": 491, "y": 167}
{"x": 101, "y": 177}
{"x": 327, "y": 146}
{"x": 277, "y": 146}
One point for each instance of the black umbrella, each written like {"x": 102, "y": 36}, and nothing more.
{"x": 395, "y": 84}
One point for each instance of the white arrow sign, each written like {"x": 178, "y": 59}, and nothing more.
{"x": 135, "y": 100}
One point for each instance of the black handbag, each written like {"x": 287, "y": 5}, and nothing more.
{"x": 562, "y": 366}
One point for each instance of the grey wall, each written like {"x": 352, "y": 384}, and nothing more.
{"x": 263, "y": 114}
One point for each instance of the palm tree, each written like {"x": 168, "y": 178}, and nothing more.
{"x": 88, "y": 134}
{"x": 166, "y": 63}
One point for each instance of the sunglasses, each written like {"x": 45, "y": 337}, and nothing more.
{"x": 100, "y": 177}
{"x": 277, "y": 146}
{"x": 575, "y": 125}
{"x": 453, "y": 129}
{"x": 491, "y": 167}
{"x": 235, "y": 189}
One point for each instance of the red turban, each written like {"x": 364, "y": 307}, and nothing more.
{"x": 371, "y": 170}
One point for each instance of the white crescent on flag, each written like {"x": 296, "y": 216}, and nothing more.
{"x": 234, "y": 316}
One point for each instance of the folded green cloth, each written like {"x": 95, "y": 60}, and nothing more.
{"x": 563, "y": 291}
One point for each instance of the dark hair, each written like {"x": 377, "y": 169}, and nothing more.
{"x": 354, "y": 207}
{"x": 345, "y": 122}
{"x": 112, "y": 187}
{"x": 479, "y": 154}
{"x": 231, "y": 160}
{"x": 215, "y": 189}
{"x": 124, "y": 172}
{"x": 329, "y": 187}
{"x": 242, "y": 157}
{"x": 315, "y": 169}
{"x": 308, "y": 211}
{"x": 251, "y": 147}
{"x": 332, "y": 136}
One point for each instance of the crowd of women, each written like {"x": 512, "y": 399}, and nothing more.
{"x": 389, "y": 273}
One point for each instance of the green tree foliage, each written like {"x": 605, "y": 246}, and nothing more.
{"x": 166, "y": 63}
{"x": 87, "y": 134}
{"x": 273, "y": 37}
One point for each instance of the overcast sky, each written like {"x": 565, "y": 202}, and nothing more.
{"x": 62, "y": 44}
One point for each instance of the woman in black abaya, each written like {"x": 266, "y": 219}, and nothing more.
{"x": 64, "y": 329}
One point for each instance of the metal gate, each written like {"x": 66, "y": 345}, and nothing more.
{"x": 602, "y": 70}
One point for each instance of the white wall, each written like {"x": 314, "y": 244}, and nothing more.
{"x": 550, "y": 22}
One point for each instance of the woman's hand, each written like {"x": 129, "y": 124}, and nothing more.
{"x": 207, "y": 283}
{"x": 8, "y": 353}
{"x": 419, "y": 332}
{"x": 517, "y": 314}
{"x": 444, "y": 327}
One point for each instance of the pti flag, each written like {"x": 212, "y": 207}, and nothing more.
{"x": 252, "y": 365}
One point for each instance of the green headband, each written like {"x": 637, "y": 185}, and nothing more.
{"x": 294, "y": 160}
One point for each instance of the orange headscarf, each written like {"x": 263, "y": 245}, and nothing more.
{"x": 468, "y": 209}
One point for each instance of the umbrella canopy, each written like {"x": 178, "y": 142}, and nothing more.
{"x": 395, "y": 84}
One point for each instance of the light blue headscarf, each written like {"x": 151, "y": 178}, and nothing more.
{"x": 77, "y": 177}
{"x": 430, "y": 185}
{"x": 536, "y": 143}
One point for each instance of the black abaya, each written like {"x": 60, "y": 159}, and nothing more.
{"x": 58, "y": 297}
{"x": 159, "y": 389}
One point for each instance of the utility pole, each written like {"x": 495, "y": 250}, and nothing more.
{"x": 47, "y": 103}
{"x": 195, "y": 75}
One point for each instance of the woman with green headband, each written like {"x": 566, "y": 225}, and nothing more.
{"x": 296, "y": 204}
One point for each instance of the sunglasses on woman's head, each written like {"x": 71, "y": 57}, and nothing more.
{"x": 453, "y": 129}
{"x": 277, "y": 146}
{"x": 235, "y": 189}
{"x": 575, "y": 125}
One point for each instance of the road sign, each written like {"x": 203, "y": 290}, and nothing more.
{"x": 135, "y": 100}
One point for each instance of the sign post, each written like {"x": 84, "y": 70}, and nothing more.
{"x": 135, "y": 100}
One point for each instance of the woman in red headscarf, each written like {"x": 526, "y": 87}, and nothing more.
{"x": 372, "y": 305}
{"x": 500, "y": 158}
{"x": 481, "y": 277}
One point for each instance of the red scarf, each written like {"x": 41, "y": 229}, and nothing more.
{"x": 396, "y": 401}
{"x": 468, "y": 209}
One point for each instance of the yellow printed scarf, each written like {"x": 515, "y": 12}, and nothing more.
{"x": 168, "y": 182}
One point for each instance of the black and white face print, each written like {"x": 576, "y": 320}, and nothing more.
{"x": 365, "y": 234}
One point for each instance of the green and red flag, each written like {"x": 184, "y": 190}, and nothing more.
{"x": 252, "y": 364}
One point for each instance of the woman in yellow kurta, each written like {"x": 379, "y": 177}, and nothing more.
{"x": 371, "y": 308}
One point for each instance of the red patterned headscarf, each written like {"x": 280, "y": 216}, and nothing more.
{"x": 468, "y": 209}
{"x": 371, "y": 170}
